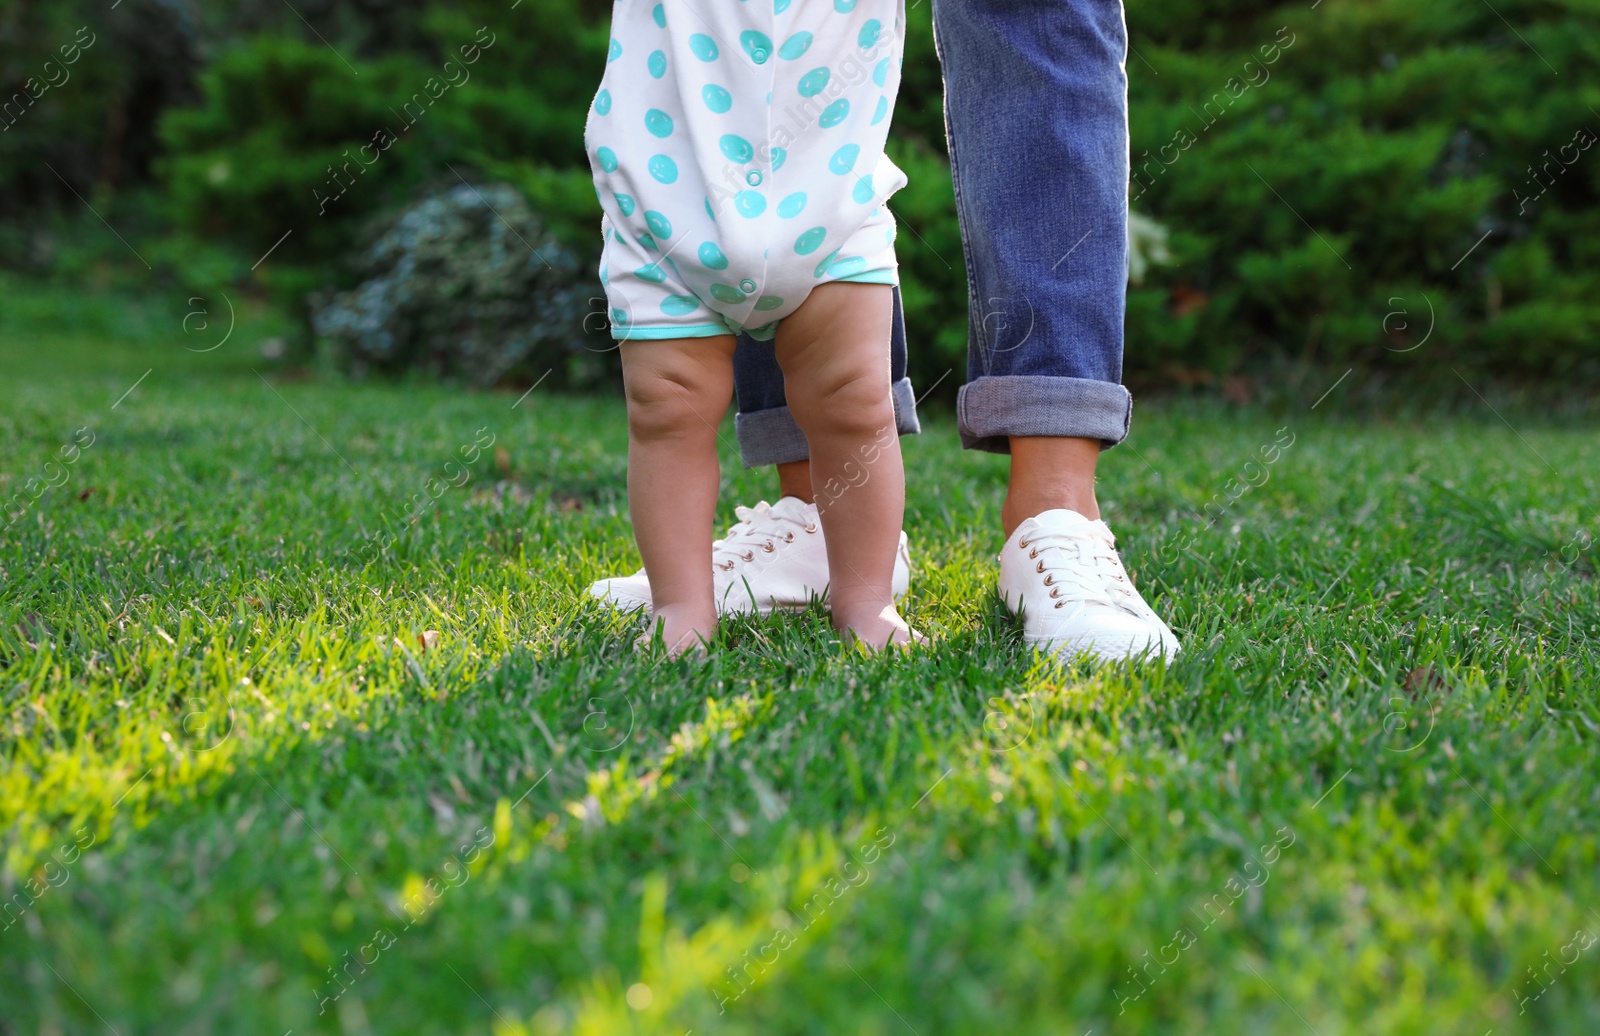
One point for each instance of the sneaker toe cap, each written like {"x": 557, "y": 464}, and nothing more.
{"x": 1109, "y": 635}
{"x": 625, "y": 592}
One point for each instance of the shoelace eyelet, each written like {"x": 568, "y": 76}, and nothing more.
{"x": 1040, "y": 567}
{"x": 1050, "y": 579}
{"x": 1022, "y": 543}
{"x": 788, "y": 537}
{"x": 769, "y": 547}
{"x": 811, "y": 527}
{"x": 1033, "y": 553}
{"x": 749, "y": 555}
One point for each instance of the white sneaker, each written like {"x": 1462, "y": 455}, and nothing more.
{"x": 1061, "y": 572}
{"x": 773, "y": 559}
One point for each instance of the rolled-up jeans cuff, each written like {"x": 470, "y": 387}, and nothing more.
{"x": 771, "y": 436}
{"x": 991, "y": 409}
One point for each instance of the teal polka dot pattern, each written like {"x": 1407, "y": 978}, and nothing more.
{"x": 703, "y": 46}
{"x": 795, "y": 46}
{"x": 658, "y": 122}
{"x": 664, "y": 169}
{"x": 736, "y": 148}
{"x": 756, "y": 44}
{"x": 813, "y": 82}
{"x": 717, "y": 98}
{"x": 750, "y": 203}
{"x": 846, "y": 267}
{"x": 810, "y": 241}
{"x": 711, "y": 256}
{"x": 774, "y": 124}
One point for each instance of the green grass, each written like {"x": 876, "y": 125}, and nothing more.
{"x": 1389, "y": 682}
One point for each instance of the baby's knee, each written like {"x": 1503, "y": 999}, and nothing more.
{"x": 847, "y": 402}
{"x": 670, "y": 403}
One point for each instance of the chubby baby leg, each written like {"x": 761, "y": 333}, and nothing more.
{"x": 834, "y": 351}
{"x": 678, "y": 391}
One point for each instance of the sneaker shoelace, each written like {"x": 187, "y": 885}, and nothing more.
{"x": 1081, "y": 566}
{"x": 758, "y": 529}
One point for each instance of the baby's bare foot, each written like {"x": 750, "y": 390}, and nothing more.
{"x": 682, "y": 630}
{"x": 876, "y": 628}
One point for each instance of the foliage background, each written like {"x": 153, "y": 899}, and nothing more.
{"x": 1342, "y": 186}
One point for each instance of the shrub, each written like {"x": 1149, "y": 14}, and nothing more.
{"x": 1313, "y": 164}
{"x": 465, "y": 283}
{"x": 1340, "y": 163}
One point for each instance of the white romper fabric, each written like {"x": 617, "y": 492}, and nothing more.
{"x": 737, "y": 149}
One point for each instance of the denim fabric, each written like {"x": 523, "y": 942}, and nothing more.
{"x": 766, "y": 430}
{"x": 1036, "y": 108}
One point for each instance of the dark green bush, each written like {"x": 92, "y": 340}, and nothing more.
{"x": 1310, "y": 197}
{"x": 1348, "y": 177}
{"x": 464, "y": 284}
{"x": 82, "y": 87}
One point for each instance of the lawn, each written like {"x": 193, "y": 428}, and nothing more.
{"x": 242, "y": 792}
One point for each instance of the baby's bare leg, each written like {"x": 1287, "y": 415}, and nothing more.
{"x": 678, "y": 391}
{"x": 834, "y": 351}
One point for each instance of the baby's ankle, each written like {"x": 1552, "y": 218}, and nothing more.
{"x": 683, "y": 627}
{"x": 874, "y": 625}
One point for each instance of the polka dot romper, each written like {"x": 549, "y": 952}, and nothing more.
{"x": 737, "y": 149}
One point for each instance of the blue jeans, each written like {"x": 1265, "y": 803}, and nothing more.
{"x": 1036, "y": 110}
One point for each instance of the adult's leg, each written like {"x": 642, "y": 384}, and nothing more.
{"x": 1037, "y": 112}
{"x": 1036, "y": 109}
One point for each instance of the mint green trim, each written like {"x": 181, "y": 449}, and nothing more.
{"x": 871, "y": 277}
{"x": 684, "y": 331}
